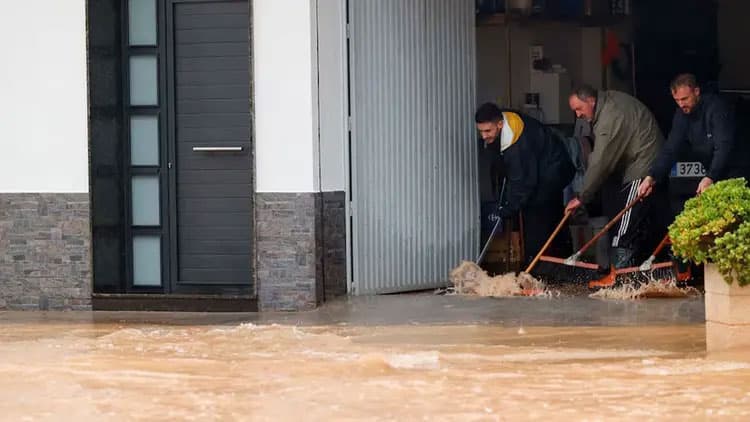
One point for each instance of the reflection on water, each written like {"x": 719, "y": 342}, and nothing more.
{"x": 98, "y": 371}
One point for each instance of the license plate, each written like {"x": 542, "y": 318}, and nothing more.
{"x": 688, "y": 169}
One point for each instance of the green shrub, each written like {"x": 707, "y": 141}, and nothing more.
{"x": 715, "y": 227}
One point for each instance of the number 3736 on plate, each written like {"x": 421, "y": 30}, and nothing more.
{"x": 688, "y": 169}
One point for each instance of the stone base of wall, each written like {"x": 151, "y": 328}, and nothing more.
{"x": 334, "y": 243}
{"x": 45, "y": 251}
{"x": 300, "y": 243}
{"x": 727, "y": 312}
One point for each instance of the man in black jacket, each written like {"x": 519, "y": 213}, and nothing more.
{"x": 537, "y": 169}
{"x": 705, "y": 124}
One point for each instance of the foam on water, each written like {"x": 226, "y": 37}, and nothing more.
{"x": 698, "y": 367}
{"x": 469, "y": 279}
{"x": 423, "y": 360}
{"x": 653, "y": 288}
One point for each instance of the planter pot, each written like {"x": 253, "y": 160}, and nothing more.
{"x": 727, "y": 312}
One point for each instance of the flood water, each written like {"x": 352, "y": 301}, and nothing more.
{"x": 135, "y": 369}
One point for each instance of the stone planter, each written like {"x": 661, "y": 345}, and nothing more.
{"x": 727, "y": 312}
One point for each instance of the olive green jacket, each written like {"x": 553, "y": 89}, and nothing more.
{"x": 626, "y": 142}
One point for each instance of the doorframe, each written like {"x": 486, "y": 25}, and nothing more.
{"x": 348, "y": 191}
{"x": 170, "y": 136}
{"x": 159, "y": 110}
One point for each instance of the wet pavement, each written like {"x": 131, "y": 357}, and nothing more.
{"x": 400, "y": 357}
{"x": 425, "y": 308}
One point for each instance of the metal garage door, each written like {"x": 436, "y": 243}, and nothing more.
{"x": 413, "y": 152}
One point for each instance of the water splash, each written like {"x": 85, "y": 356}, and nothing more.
{"x": 653, "y": 288}
{"x": 469, "y": 279}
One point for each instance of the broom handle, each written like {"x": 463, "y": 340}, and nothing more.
{"x": 610, "y": 224}
{"x": 661, "y": 246}
{"x": 494, "y": 229}
{"x": 549, "y": 241}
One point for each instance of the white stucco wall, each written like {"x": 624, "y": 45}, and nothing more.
{"x": 285, "y": 99}
{"x": 332, "y": 77}
{"x": 43, "y": 106}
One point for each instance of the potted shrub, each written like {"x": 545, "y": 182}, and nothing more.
{"x": 714, "y": 229}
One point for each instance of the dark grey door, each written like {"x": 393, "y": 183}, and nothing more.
{"x": 211, "y": 147}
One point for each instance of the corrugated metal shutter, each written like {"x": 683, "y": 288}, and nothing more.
{"x": 414, "y": 175}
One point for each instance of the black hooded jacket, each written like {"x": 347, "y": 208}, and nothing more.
{"x": 537, "y": 165}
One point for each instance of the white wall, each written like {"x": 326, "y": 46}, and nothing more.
{"x": 332, "y": 93}
{"x": 285, "y": 101}
{"x": 43, "y": 108}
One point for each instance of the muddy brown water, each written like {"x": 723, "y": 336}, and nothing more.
{"x": 123, "y": 370}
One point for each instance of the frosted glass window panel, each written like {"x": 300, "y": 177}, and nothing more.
{"x": 143, "y": 81}
{"x": 145, "y": 200}
{"x": 144, "y": 140}
{"x": 142, "y": 22}
{"x": 146, "y": 261}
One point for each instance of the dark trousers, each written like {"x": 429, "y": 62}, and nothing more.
{"x": 641, "y": 228}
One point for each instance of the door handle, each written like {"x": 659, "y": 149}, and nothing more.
{"x": 217, "y": 149}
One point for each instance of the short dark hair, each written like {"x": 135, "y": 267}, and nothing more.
{"x": 584, "y": 92}
{"x": 684, "y": 79}
{"x": 488, "y": 112}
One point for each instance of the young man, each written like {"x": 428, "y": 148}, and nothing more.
{"x": 537, "y": 168}
{"x": 626, "y": 142}
{"x": 704, "y": 124}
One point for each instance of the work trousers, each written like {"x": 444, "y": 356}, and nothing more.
{"x": 640, "y": 229}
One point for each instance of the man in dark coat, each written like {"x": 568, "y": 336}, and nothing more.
{"x": 537, "y": 169}
{"x": 704, "y": 127}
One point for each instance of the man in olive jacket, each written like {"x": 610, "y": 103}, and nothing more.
{"x": 626, "y": 143}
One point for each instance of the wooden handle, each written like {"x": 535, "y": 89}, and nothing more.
{"x": 664, "y": 242}
{"x": 610, "y": 224}
{"x": 549, "y": 241}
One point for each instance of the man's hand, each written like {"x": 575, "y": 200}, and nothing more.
{"x": 704, "y": 184}
{"x": 495, "y": 218}
{"x": 647, "y": 186}
{"x": 573, "y": 205}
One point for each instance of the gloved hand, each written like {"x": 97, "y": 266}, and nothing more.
{"x": 495, "y": 218}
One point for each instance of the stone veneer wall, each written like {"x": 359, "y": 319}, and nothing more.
{"x": 45, "y": 251}
{"x": 334, "y": 243}
{"x": 300, "y": 249}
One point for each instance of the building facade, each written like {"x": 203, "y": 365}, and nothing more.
{"x": 233, "y": 155}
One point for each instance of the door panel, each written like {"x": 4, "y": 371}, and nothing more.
{"x": 414, "y": 177}
{"x": 212, "y": 194}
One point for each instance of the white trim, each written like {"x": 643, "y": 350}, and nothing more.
{"x": 625, "y": 222}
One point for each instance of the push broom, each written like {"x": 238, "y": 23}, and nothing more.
{"x": 588, "y": 270}
{"x": 657, "y": 271}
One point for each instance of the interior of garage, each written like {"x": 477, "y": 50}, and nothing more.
{"x": 530, "y": 54}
